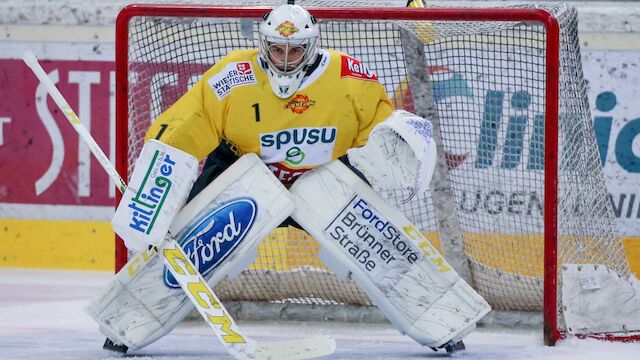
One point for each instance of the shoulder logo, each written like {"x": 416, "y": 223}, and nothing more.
{"x": 244, "y": 68}
{"x": 355, "y": 69}
{"x": 233, "y": 75}
{"x": 299, "y": 104}
{"x": 287, "y": 29}
{"x": 214, "y": 235}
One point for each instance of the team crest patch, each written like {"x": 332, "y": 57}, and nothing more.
{"x": 287, "y": 29}
{"x": 299, "y": 104}
{"x": 233, "y": 75}
{"x": 355, "y": 69}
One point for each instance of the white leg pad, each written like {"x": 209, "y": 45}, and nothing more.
{"x": 403, "y": 274}
{"x": 142, "y": 304}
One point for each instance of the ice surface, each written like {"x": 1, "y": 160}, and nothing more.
{"x": 41, "y": 317}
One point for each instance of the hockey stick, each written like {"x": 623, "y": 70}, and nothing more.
{"x": 187, "y": 275}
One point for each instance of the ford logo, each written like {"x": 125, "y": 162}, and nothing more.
{"x": 214, "y": 235}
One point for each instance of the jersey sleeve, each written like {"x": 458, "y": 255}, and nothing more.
{"x": 194, "y": 123}
{"x": 372, "y": 106}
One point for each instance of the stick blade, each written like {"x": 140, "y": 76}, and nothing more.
{"x": 299, "y": 349}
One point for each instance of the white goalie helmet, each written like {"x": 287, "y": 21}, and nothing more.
{"x": 289, "y": 40}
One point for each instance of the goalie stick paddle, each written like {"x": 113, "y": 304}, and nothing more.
{"x": 187, "y": 275}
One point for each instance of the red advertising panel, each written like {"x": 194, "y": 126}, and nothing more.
{"x": 41, "y": 158}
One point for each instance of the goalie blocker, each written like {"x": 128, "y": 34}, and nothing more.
{"x": 159, "y": 185}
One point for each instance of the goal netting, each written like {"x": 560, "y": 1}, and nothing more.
{"x": 518, "y": 176}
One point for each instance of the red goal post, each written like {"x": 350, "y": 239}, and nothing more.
{"x": 229, "y": 27}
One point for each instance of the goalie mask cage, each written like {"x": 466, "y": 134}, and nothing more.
{"x": 518, "y": 190}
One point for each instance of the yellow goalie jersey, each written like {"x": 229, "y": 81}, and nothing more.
{"x": 335, "y": 108}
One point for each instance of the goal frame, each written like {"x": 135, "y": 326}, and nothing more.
{"x": 552, "y": 333}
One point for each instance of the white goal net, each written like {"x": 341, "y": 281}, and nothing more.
{"x": 518, "y": 190}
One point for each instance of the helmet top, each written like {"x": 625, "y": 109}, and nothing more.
{"x": 289, "y": 41}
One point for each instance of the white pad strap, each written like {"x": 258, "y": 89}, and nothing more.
{"x": 400, "y": 153}
{"x": 359, "y": 234}
{"x": 161, "y": 180}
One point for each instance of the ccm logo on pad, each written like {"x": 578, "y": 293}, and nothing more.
{"x": 355, "y": 69}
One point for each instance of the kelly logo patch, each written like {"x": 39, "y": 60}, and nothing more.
{"x": 287, "y": 29}
{"x": 299, "y": 104}
{"x": 233, "y": 75}
{"x": 213, "y": 236}
{"x": 355, "y": 69}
